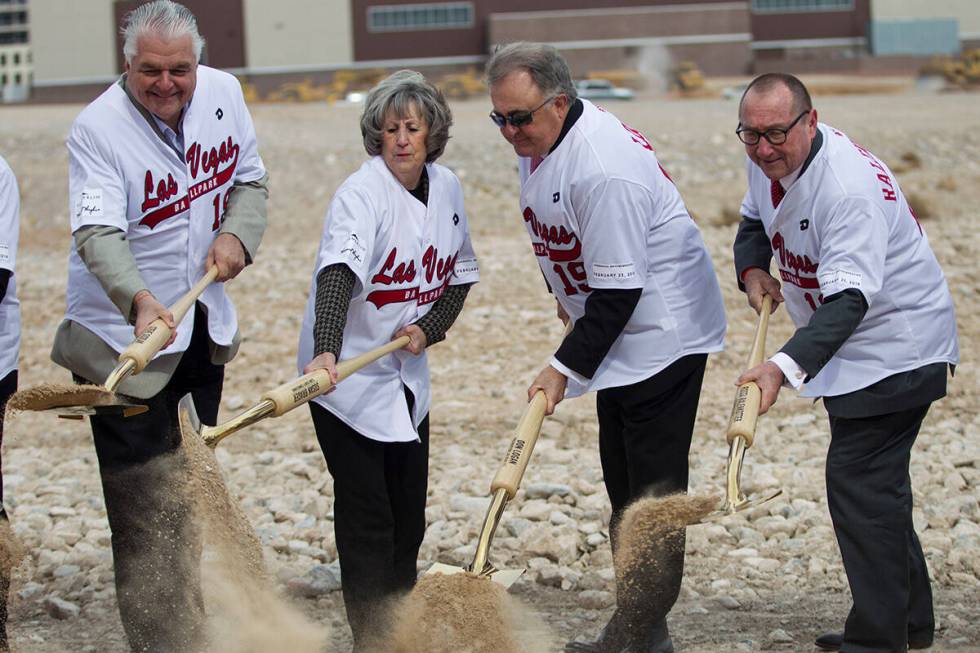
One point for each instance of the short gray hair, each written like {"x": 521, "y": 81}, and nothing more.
{"x": 400, "y": 93}
{"x": 547, "y": 68}
{"x": 164, "y": 18}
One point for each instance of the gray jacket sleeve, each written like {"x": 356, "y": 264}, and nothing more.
{"x": 830, "y": 325}
{"x": 752, "y": 248}
{"x": 105, "y": 252}
{"x": 246, "y": 215}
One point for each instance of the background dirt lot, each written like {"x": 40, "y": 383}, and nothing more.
{"x": 771, "y": 579}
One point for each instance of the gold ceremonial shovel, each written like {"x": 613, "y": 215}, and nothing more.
{"x": 503, "y": 488}
{"x": 280, "y": 400}
{"x": 75, "y": 402}
{"x": 741, "y": 428}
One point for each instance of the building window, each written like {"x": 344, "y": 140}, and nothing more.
{"x": 3, "y": 60}
{"x": 406, "y": 18}
{"x": 16, "y": 58}
{"x": 787, "y": 6}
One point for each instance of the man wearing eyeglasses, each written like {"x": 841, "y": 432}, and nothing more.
{"x": 875, "y": 335}
{"x": 628, "y": 266}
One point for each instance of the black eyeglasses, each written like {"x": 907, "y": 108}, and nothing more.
{"x": 518, "y": 118}
{"x": 774, "y": 136}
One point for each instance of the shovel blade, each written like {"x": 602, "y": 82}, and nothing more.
{"x": 505, "y": 577}
{"x": 190, "y": 423}
{"x": 748, "y": 504}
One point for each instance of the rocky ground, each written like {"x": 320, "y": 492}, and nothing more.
{"x": 769, "y": 579}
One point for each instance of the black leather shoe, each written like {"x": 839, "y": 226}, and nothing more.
{"x": 611, "y": 639}
{"x": 833, "y": 641}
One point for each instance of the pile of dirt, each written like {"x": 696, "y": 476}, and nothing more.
{"x": 462, "y": 613}
{"x": 649, "y": 547}
{"x": 58, "y": 395}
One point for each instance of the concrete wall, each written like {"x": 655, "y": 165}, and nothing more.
{"x": 966, "y": 12}
{"x": 72, "y": 40}
{"x": 297, "y": 33}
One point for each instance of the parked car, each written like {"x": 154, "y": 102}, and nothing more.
{"x": 601, "y": 89}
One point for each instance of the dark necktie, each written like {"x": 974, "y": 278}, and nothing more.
{"x": 777, "y": 193}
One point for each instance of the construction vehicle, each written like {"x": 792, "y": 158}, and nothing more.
{"x": 686, "y": 78}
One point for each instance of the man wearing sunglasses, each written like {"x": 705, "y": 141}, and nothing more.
{"x": 875, "y": 335}
{"x": 628, "y": 266}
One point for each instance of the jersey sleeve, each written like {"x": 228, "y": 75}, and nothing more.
{"x": 467, "y": 269}
{"x": 853, "y": 244}
{"x": 9, "y": 217}
{"x": 613, "y": 222}
{"x": 96, "y": 192}
{"x": 350, "y": 233}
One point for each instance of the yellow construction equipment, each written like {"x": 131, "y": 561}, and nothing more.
{"x": 686, "y": 78}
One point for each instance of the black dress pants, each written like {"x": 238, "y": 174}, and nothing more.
{"x": 645, "y": 434}
{"x": 379, "y": 517}
{"x": 869, "y": 493}
{"x": 156, "y": 545}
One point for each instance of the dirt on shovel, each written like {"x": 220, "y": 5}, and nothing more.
{"x": 57, "y": 395}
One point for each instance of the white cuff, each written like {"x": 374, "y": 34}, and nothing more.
{"x": 567, "y": 372}
{"x": 793, "y": 373}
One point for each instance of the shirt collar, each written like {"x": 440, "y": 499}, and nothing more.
{"x": 574, "y": 113}
{"x": 788, "y": 180}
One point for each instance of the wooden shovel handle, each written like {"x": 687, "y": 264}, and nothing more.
{"x": 299, "y": 391}
{"x": 521, "y": 447}
{"x": 156, "y": 335}
{"x": 511, "y": 472}
{"x": 745, "y": 411}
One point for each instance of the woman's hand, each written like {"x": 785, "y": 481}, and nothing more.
{"x": 417, "y": 339}
{"x": 325, "y": 361}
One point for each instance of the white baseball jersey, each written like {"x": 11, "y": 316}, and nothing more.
{"x": 403, "y": 254}
{"x": 602, "y": 213}
{"x": 844, "y": 223}
{"x": 9, "y": 232}
{"x": 121, "y": 174}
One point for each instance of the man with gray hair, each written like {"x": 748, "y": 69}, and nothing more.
{"x": 627, "y": 265}
{"x": 165, "y": 182}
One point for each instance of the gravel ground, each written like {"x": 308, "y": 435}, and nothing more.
{"x": 770, "y": 579}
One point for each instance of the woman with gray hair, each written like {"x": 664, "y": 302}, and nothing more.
{"x": 395, "y": 260}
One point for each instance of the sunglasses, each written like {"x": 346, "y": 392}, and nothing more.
{"x": 518, "y": 118}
